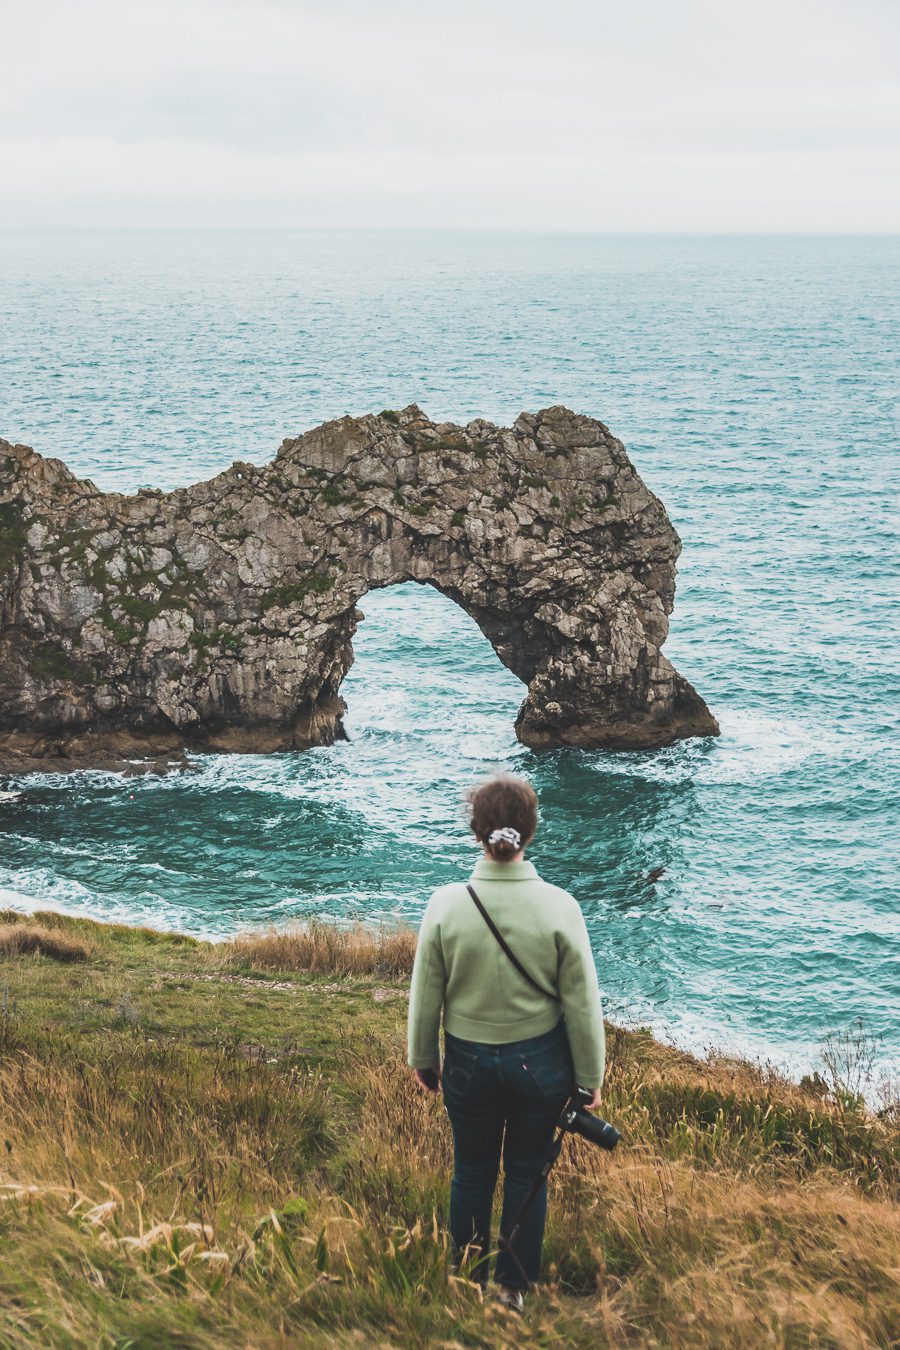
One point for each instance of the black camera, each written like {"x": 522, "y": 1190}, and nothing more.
{"x": 577, "y": 1120}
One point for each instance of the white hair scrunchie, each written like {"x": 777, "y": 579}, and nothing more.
{"x": 506, "y": 836}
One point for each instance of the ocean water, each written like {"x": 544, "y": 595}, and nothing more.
{"x": 755, "y": 383}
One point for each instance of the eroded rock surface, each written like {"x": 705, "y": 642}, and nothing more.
{"x": 220, "y": 616}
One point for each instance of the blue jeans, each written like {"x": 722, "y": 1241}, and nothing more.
{"x": 503, "y": 1098}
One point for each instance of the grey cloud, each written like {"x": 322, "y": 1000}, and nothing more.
{"x": 505, "y": 81}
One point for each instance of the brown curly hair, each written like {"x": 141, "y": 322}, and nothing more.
{"x": 503, "y": 801}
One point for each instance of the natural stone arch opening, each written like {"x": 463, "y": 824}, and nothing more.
{"x": 418, "y": 660}
{"x": 221, "y": 616}
{"x": 502, "y": 632}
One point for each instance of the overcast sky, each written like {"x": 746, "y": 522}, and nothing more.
{"x": 634, "y": 115}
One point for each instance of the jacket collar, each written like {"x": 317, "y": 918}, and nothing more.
{"x": 487, "y": 869}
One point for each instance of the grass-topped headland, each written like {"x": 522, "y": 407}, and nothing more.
{"x": 207, "y": 1145}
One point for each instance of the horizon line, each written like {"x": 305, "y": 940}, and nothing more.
{"x": 573, "y": 230}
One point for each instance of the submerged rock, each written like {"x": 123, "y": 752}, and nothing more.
{"x": 220, "y": 616}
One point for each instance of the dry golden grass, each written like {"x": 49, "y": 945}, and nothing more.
{"x": 673, "y": 1250}
{"x": 160, "y": 1189}
{"x": 23, "y": 939}
{"x": 323, "y": 949}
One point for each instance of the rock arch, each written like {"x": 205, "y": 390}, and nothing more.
{"x": 221, "y": 616}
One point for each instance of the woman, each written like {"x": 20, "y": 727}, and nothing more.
{"x": 512, "y": 1052}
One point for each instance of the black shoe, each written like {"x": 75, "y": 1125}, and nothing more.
{"x": 512, "y": 1299}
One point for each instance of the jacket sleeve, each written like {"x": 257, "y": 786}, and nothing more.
{"x": 579, "y": 994}
{"x": 426, "y": 995}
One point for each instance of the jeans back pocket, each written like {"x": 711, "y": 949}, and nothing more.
{"x": 550, "y": 1068}
{"x": 458, "y": 1071}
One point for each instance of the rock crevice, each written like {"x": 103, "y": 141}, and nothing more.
{"x": 221, "y": 616}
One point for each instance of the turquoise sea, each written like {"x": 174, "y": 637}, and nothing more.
{"x": 755, "y": 383}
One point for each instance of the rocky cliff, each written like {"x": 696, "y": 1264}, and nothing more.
{"x": 220, "y": 616}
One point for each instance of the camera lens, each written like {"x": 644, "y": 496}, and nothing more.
{"x": 593, "y": 1128}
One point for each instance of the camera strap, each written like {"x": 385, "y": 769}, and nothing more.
{"x": 506, "y": 947}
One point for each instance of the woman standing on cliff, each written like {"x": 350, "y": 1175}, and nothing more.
{"x": 512, "y": 1052}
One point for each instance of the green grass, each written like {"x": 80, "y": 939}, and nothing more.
{"x": 214, "y": 1146}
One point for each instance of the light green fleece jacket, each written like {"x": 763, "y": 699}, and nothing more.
{"x": 461, "y": 968}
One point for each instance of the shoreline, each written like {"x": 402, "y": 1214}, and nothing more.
{"x": 703, "y": 1045}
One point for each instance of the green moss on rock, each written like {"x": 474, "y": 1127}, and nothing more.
{"x": 52, "y": 664}
{"x": 317, "y": 583}
{"x": 13, "y": 530}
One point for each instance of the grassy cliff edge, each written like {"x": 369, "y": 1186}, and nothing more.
{"x": 211, "y": 1145}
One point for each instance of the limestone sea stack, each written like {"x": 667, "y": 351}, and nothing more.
{"x": 220, "y": 616}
